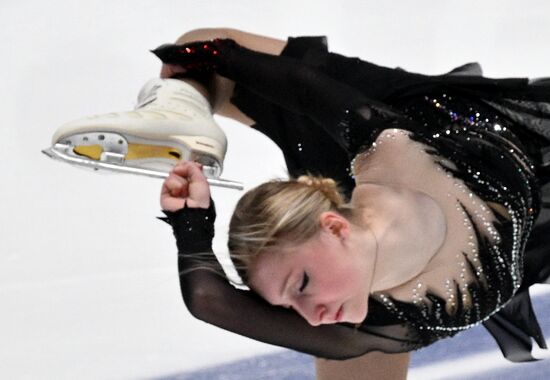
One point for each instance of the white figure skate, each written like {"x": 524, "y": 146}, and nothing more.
{"x": 172, "y": 121}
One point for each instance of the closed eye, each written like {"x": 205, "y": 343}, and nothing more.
{"x": 305, "y": 281}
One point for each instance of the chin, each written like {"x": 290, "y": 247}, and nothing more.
{"x": 355, "y": 321}
{"x": 360, "y": 316}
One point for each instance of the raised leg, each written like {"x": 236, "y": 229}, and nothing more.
{"x": 219, "y": 89}
{"x": 374, "y": 365}
{"x": 163, "y": 129}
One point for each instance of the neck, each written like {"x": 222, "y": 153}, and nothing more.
{"x": 375, "y": 217}
{"x": 394, "y": 217}
{"x": 380, "y": 211}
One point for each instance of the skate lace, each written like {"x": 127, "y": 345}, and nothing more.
{"x": 147, "y": 96}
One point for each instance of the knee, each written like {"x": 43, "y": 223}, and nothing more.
{"x": 373, "y": 365}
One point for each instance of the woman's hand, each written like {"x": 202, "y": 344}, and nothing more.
{"x": 194, "y": 58}
{"x": 186, "y": 183}
{"x": 171, "y": 71}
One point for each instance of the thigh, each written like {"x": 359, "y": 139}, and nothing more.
{"x": 374, "y": 365}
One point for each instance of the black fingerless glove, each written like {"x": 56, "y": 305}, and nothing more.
{"x": 197, "y": 58}
{"x": 192, "y": 227}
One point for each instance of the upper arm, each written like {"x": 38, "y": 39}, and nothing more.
{"x": 263, "y": 44}
{"x": 250, "y": 41}
{"x": 389, "y": 158}
{"x": 223, "y": 86}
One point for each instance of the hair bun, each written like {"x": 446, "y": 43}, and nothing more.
{"x": 327, "y": 186}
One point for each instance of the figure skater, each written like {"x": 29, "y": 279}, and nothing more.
{"x": 414, "y": 208}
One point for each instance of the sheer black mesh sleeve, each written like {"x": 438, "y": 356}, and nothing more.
{"x": 344, "y": 112}
{"x": 211, "y": 298}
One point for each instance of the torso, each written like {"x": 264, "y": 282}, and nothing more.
{"x": 398, "y": 161}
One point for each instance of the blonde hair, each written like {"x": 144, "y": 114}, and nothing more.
{"x": 279, "y": 214}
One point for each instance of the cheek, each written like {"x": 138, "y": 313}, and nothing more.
{"x": 345, "y": 281}
{"x": 356, "y": 281}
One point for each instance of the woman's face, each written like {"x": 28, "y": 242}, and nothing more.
{"x": 325, "y": 280}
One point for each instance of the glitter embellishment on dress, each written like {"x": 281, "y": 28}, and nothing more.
{"x": 463, "y": 140}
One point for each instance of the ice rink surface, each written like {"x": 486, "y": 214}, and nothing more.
{"x": 471, "y": 355}
{"x": 88, "y": 282}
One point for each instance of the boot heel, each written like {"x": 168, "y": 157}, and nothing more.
{"x": 205, "y": 151}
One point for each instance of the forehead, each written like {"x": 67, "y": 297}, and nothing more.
{"x": 270, "y": 272}
{"x": 268, "y": 266}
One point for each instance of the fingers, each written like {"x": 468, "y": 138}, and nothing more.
{"x": 186, "y": 183}
{"x": 190, "y": 170}
{"x": 169, "y": 71}
{"x": 172, "y": 204}
{"x": 176, "y": 186}
{"x": 175, "y": 192}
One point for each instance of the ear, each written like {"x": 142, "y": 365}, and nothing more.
{"x": 335, "y": 224}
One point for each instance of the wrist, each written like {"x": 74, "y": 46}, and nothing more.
{"x": 196, "y": 57}
{"x": 193, "y": 227}
{"x": 205, "y": 204}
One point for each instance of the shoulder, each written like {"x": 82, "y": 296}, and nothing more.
{"x": 366, "y": 193}
{"x": 387, "y": 153}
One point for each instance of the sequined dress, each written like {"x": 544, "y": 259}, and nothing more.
{"x": 323, "y": 110}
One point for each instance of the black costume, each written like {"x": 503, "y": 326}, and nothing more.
{"x": 495, "y": 133}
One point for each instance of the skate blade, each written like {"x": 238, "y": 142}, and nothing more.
{"x": 140, "y": 152}
{"x": 115, "y": 163}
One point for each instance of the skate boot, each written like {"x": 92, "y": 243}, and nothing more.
{"x": 172, "y": 121}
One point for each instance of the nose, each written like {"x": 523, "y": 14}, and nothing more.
{"x": 313, "y": 313}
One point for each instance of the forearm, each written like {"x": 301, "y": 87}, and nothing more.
{"x": 202, "y": 34}
{"x": 219, "y": 89}
{"x": 214, "y": 88}
{"x": 256, "y": 42}
{"x": 349, "y": 117}
{"x": 209, "y": 297}
{"x": 340, "y": 109}
{"x": 283, "y": 81}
